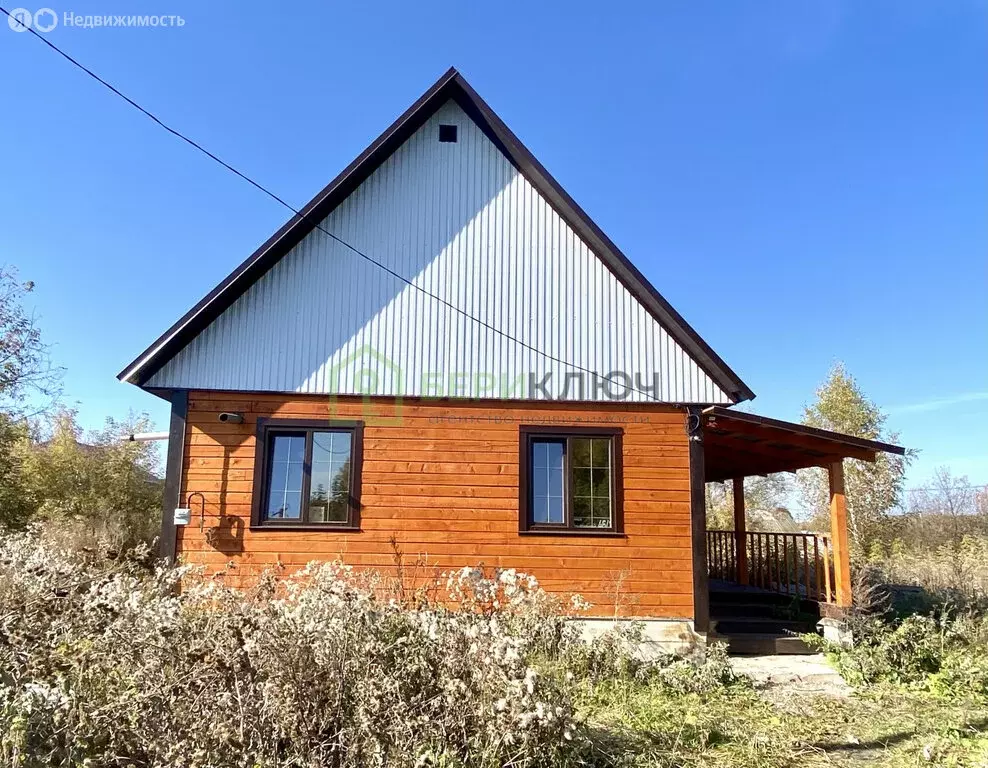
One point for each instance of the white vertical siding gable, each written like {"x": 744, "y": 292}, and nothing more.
{"x": 461, "y": 223}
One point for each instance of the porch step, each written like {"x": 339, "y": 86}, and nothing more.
{"x": 746, "y": 610}
{"x": 763, "y": 626}
{"x": 755, "y": 644}
{"x": 759, "y": 603}
{"x": 753, "y": 621}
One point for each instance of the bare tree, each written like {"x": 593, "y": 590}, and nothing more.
{"x": 949, "y": 501}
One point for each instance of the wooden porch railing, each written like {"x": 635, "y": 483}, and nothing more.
{"x": 789, "y": 563}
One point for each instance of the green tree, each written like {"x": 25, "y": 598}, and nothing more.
{"x": 873, "y": 489}
{"x": 95, "y": 487}
{"x": 83, "y": 488}
{"x": 26, "y": 376}
{"x": 25, "y": 368}
{"x": 15, "y": 507}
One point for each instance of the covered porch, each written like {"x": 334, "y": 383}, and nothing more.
{"x": 809, "y": 571}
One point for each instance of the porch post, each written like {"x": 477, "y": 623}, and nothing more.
{"x": 740, "y": 531}
{"x": 838, "y": 535}
{"x": 698, "y": 519}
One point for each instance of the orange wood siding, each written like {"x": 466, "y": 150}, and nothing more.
{"x": 444, "y": 482}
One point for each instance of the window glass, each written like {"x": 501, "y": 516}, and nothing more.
{"x": 285, "y": 488}
{"x": 547, "y": 481}
{"x": 591, "y": 468}
{"x": 329, "y": 489}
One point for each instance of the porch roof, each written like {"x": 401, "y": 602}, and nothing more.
{"x": 740, "y": 444}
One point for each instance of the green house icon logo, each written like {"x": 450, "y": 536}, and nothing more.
{"x": 366, "y": 373}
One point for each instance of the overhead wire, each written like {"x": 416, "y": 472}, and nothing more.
{"x": 316, "y": 224}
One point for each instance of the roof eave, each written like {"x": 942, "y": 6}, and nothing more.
{"x": 875, "y": 446}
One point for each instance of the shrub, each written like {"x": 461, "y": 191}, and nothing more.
{"x": 946, "y": 653}
{"x": 110, "y": 663}
{"x": 699, "y": 673}
{"x": 617, "y": 656}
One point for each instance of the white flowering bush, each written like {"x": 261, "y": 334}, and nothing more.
{"x": 120, "y": 663}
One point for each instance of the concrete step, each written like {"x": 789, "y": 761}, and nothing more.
{"x": 799, "y": 675}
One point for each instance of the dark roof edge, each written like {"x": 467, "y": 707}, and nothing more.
{"x": 450, "y": 85}
{"x": 802, "y": 429}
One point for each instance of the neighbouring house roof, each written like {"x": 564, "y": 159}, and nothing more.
{"x": 200, "y": 350}
{"x": 738, "y": 444}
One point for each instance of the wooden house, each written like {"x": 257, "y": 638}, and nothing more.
{"x": 442, "y": 349}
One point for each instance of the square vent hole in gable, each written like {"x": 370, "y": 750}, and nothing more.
{"x": 447, "y": 134}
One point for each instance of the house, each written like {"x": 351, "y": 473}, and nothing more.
{"x": 443, "y": 348}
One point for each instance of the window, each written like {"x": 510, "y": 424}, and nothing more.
{"x": 307, "y": 474}
{"x": 570, "y": 480}
{"x": 447, "y": 134}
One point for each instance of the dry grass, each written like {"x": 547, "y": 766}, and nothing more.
{"x": 649, "y": 727}
{"x": 950, "y": 573}
{"x": 921, "y": 720}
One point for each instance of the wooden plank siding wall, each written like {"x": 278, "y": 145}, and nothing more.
{"x": 444, "y": 482}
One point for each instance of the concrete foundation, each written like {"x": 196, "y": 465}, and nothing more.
{"x": 660, "y": 636}
{"x": 836, "y": 631}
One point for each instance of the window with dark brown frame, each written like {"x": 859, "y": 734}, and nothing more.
{"x": 307, "y": 474}
{"x": 570, "y": 480}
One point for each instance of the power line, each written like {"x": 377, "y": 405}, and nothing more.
{"x": 959, "y": 489}
{"x": 178, "y": 134}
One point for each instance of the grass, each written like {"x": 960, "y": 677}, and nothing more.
{"x": 641, "y": 726}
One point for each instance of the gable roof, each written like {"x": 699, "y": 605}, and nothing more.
{"x": 453, "y": 86}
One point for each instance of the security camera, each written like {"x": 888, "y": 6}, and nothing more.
{"x": 231, "y": 418}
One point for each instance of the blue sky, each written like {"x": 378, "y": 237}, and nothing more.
{"x": 804, "y": 181}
